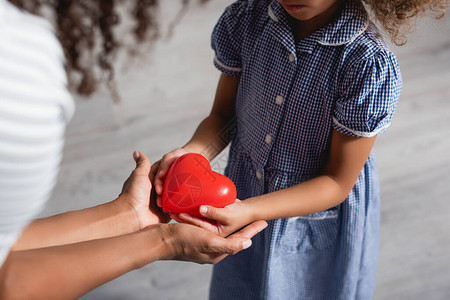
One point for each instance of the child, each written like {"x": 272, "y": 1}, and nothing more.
{"x": 307, "y": 85}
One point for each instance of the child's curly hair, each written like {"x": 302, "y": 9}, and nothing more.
{"x": 398, "y": 16}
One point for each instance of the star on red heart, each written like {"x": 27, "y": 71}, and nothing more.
{"x": 190, "y": 183}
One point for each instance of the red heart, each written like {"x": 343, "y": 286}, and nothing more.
{"x": 190, "y": 182}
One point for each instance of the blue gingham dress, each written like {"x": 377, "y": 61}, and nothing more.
{"x": 290, "y": 98}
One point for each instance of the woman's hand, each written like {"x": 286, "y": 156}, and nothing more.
{"x": 159, "y": 171}
{"x": 137, "y": 194}
{"x": 190, "y": 243}
{"x": 222, "y": 221}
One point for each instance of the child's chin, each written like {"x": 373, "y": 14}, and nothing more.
{"x": 301, "y": 14}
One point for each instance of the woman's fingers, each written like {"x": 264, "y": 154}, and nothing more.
{"x": 205, "y": 224}
{"x": 142, "y": 163}
{"x": 142, "y": 169}
{"x": 230, "y": 246}
{"x": 240, "y": 240}
{"x": 195, "y": 244}
{"x": 250, "y": 230}
{"x": 190, "y": 243}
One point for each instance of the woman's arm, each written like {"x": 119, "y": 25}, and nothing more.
{"x": 106, "y": 220}
{"x": 130, "y": 212}
{"x": 347, "y": 157}
{"x": 69, "y": 271}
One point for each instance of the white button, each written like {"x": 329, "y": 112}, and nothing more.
{"x": 258, "y": 175}
{"x": 292, "y": 57}
{"x": 279, "y": 100}
{"x": 268, "y": 139}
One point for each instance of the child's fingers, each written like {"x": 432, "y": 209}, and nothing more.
{"x": 158, "y": 201}
{"x": 176, "y": 218}
{"x": 153, "y": 170}
{"x": 159, "y": 182}
{"x": 213, "y": 213}
{"x": 164, "y": 166}
{"x": 165, "y": 163}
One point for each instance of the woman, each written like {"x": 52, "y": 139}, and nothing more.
{"x": 65, "y": 256}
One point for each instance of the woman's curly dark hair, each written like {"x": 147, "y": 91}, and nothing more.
{"x": 397, "y": 17}
{"x": 86, "y": 30}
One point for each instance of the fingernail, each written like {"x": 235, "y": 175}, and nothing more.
{"x": 246, "y": 244}
{"x": 203, "y": 210}
{"x": 136, "y": 155}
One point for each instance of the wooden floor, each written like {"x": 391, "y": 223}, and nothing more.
{"x": 163, "y": 99}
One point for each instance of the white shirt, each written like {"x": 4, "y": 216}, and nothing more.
{"x": 35, "y": 107}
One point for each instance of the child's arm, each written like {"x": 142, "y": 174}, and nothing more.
{"x": 347, "y": 157}
{"x": 208, "y": 139}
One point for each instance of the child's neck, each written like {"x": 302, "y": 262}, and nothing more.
{"x": 304, "y": 28}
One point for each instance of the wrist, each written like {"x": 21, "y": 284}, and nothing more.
{"x": 252, "y": 210}
{"x": 208, "y": 151}
{"x": 169, "y": 247}
{"x": 192, "y": 147}
{"x": 127, "y": 216}
{"x": 148, "y": 246}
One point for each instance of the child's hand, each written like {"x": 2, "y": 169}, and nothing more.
{"x": 159, "y": 171}
{"x": 225, "y": 220}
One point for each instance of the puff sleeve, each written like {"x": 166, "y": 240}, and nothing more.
{"x": 368, "y": 96}
{"x": 227, "y": 38}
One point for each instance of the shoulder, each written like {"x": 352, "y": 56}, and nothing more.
{"x": 369, "y": 49}
{"x": 239, "y": 24}
{"x": 18, "y": 26}
{"x": 248, "y": 6}
{"x": 32, "y": 61}
{"x": 244, "y": 12}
